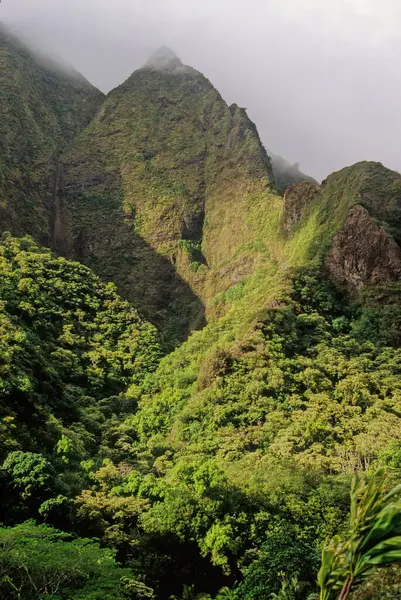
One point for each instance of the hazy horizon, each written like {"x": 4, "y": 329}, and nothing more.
{"x": 321, "y": 81}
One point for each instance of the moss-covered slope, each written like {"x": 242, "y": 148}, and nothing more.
{"x": 42, "y": 107}
{"x": 166, "y": 178}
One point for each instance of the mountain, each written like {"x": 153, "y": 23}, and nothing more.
{"x": 214, "y": 451}
{"x": 169, "y": 179}
{"x": 42, "y": 108}
{"x": 358, "y": 211}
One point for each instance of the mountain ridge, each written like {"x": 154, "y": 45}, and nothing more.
{"x": 42, "y": 108}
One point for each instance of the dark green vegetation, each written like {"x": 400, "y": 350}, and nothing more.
{"x": 39, "y": 562}
{"x": 42, "y": 108}
{"x": 217, "y": 461}
{"x": 69, "y": 345}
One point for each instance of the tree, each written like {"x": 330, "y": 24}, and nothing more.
{"x": 291, "y": 589}
{"x": 29, "y": 473}
{"x": 39, "y": 562}
{"x": 227, "y": 593}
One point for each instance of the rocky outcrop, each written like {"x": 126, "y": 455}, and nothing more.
{"x": 350, "y": 224}
{"x": 363, "y": 252}
{"x": 298, "y": 201}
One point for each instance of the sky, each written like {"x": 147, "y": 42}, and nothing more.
{"x": 320, "y": 78}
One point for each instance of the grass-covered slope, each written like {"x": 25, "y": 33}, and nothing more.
{"x": 42, "y": 107}
{"x": 167, "y": 174}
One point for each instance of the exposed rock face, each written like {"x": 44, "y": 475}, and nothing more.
{"x": 298, "y": 200}
{"x": 363, "y": 252}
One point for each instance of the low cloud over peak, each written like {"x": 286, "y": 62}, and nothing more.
{"x": 319, "y": 78}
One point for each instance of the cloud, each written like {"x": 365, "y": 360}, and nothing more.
{"x": 320, "y": 78}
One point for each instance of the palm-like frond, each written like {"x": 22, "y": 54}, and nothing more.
{"x": 189, "y": 593}
{"x": 374, "y": 540}
{"x": 291, "y": 589}
{"x": 227, "y": 593}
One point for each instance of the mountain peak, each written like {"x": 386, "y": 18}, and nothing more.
{"x": 163, "y": 58}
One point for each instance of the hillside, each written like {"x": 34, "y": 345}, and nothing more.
{"x": 69, "y": 344}
{"x": 42, "y": 108}
{"x": 199, "y": 432}
{"x": 279, "y": 400}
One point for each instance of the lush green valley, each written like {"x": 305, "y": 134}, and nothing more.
{"x": 195, "y": 366}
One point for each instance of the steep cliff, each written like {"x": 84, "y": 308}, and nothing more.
{"x": 354, "y": 218}
{"x": 158, "y": 190}
{"x": 42, "y": 107}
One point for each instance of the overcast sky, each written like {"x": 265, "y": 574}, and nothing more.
{"x": 320, "y": 78}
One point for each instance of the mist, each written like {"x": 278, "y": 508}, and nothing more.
{"x": 321, "y": 79}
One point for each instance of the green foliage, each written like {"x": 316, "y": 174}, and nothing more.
{"x": 235, "y": 450}
{"x": 373, "y": 541}
{"x": 68, "y": 343}
{"x": 42, "y": 107}
{"x": 382, "y": 583}
{"x": 227, "y": 593}
{"x": 38, "y": 562}
{"x": 189, "y": 593}
{"x": 245, "y": 445}
{"x": 285, "y": 551}
{"x": 291, "y": 589}
{"x": 29, "y": 472}
{"x": 229, "y": 458}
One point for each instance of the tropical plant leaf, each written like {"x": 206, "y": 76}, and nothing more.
{"x": 374, "y": 538}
